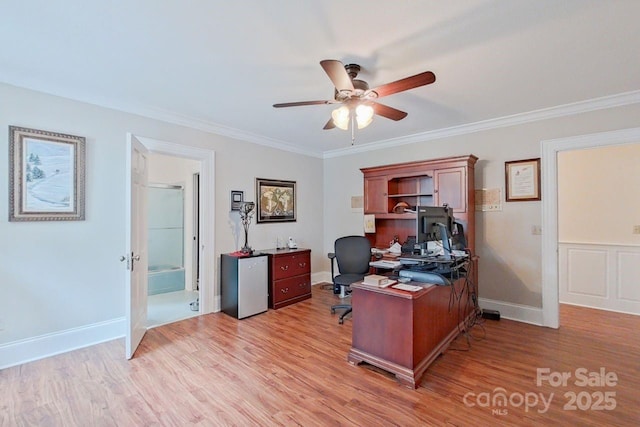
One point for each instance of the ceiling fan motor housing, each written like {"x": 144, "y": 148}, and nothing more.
{"x": 360, "y": 87}
{"x": 352, "y": 70}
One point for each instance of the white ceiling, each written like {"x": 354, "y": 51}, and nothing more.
{"x": 220, "y": 65}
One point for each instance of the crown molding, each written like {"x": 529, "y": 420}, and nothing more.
{"x": 611, "y": 101}
{"x": 172, "y": 117}
{"x": 218, "y": 129}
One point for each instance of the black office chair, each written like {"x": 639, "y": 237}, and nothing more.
{"x": 353, "y": 254}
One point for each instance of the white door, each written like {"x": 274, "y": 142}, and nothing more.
{"x": 136, "y": 256}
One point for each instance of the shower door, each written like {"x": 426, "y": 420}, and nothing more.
{"x": 166, "y": 238}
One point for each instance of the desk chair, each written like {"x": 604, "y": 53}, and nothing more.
{"x": 353, "y": 254}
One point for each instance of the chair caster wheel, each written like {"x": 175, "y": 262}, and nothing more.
{"x": 340, "y": 321}
{"x": 333, "y": 311}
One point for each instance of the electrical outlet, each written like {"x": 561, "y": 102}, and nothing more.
{"x": 536, "y": 230}
{"x": 636, "y": 229}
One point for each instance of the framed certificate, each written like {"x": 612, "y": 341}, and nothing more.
{"x": 522, "y": 180}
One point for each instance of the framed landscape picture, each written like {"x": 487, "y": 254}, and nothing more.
{"x": 276, "y": 200}
{"x": 46, "y": 175}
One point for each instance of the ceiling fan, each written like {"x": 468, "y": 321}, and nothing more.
{"x": 357, "y": 98}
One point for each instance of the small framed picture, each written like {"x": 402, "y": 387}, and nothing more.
{"x": 522, "y": 180}
{"x": 46, "y": 175}
{"x": 237, "y": 197}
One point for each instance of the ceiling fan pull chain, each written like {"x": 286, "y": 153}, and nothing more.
{"x": 353, "y": 128}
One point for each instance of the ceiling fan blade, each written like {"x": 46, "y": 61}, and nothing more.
{"x": 329, "y": 125}
{"x": 337, "y": 73}
{"x": 407, "y": 83}
{"x": 388, "y": 112}
{"x": 300, "y": 103}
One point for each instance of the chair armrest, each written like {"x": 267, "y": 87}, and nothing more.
{"x": 332, "y": 256}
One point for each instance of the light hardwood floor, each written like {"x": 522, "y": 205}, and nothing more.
{"x": 288, "y": 367}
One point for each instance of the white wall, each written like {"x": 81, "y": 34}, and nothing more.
{"x": 179, "y": 171}
{"x": 57, "y": 277}
{"x": 599, "y": 195}
{"x": 510, "y": 256}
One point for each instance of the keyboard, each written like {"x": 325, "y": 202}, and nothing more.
{"x": 385, "y": 264}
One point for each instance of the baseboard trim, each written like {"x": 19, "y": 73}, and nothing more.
{"x": 517, "y": 312}
{"x": 30, "y": 349}
{"x": 321, "y": 277}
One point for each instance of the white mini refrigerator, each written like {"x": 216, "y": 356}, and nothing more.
{"x": 244, "y": 284}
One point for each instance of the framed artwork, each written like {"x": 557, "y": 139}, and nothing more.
{"x": 237, "y": 197}
{"x": 276, "y": 200}
{"x": 46, "y": 175}
{"x": 522, "y": 180}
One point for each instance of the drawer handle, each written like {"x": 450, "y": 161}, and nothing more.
{"x": 302, "y": 285}
{"x": 302, "y": 264}
{"x": 284, "y": 290}
{"x": 284, "y": 267}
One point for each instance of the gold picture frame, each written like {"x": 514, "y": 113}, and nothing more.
{"x": 522, "y": 180}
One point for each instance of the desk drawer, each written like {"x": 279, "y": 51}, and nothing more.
{"x": 291, "y": 265}
{"x": 291, "y": 287}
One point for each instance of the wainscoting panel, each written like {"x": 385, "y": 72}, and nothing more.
{"x": 629, "y": 277}
{"x": 587, "y": 271}
{"x": 600, "y": 276}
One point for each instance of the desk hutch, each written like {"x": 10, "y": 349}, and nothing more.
{"x": 426, "y": 183}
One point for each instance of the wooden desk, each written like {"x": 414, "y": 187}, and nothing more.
{"x": 404, "y": 332}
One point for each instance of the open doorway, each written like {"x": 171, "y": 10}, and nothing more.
{"x": 173, "y": 201}
{"x": 173, "y": 291}
{"x": 207, "y": 294}
{"x": 550, "y": 236}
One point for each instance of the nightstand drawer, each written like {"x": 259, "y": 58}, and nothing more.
{"x": 291, "y": 265}
{"x": 292, "y": 287}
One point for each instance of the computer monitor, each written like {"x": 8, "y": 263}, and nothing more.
{"x": 434, "y": 223}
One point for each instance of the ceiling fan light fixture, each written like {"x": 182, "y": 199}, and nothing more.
{"x": 341, "y": 117}
{"x": 364, "y": 115}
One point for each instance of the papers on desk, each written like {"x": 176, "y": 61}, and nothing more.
{"x": 385, "y": 263}
{"x": 377, "y": 281}
{"x": 407, "y": 287}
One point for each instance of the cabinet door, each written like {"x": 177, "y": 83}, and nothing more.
{"x": 375, "y": 194}
{"x": 451, "y": 188}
